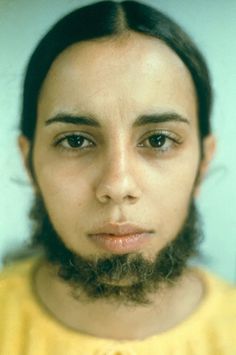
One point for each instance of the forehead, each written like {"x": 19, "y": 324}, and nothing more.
{"x": 127, "y": 73}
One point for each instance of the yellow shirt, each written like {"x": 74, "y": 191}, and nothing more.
{"x": 26, "y": 328}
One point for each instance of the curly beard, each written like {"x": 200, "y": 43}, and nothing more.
{"x": 125, "y": 279}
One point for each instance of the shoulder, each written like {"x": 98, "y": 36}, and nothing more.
{"x": 214, "y": 284}
{"x": 16, "y": 277}
{"x": 219, "y": 297}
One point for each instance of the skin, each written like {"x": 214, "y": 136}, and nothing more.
{"x": 119, "y": 176}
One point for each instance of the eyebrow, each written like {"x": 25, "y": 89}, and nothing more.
{"x": 142, "y": 120}
{"x": 72, "y": 119}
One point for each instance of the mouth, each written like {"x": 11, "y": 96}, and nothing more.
{"x": 120, "y": 238}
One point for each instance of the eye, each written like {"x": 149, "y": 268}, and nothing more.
{"x": 161, "y": 141}
{"x": 74, "y": 141}
{"x": 157, "y": 140}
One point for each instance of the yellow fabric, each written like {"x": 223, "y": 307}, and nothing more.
{"x": 26, "y": 328}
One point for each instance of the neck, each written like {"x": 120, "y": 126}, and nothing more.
{"x": 165, "y": 311}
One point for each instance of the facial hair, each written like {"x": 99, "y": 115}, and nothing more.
{"x": 127, "y": 279}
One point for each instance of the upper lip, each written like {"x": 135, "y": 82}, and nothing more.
{"x": 119, "y": 229}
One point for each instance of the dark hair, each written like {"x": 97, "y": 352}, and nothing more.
{"x": 109, "y": 18}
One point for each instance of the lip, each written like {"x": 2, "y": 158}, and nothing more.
{"x": 120, "y": 238}
{"x": 119, "y": 229}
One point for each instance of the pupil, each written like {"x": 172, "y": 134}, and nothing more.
{"x": 75, "y": 141}
{"x": 157, "y": 141}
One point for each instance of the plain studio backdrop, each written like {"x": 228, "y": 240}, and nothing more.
{"x": 212, "y": 25}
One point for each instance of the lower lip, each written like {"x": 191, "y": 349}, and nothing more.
{"x": 120, "y": 244}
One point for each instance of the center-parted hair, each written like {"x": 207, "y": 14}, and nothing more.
{"x": 110, "y": 19}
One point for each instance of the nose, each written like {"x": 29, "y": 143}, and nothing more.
{"x": 118, "y": 182}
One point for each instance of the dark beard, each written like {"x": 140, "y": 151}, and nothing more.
{"x": 103, "y": 278}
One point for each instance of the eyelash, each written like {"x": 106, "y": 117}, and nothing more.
{"x": 167, "y": 136}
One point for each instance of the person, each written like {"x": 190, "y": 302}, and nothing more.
{"x": 116, "y": 138}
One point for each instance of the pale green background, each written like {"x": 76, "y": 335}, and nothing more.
{"x": 212, "y": 24}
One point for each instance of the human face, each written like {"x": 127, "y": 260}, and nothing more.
{"x": 139, "y": 160}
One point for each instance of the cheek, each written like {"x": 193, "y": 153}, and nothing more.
{"x": 171, "y": 191}
{"x": 172, "y": 182}
{"x": 66, "y": 198}
{"x": 65, "y": 191}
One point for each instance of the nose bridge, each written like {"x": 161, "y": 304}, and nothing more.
{"x": 118, "y": 157}
{"x": 117, "y": 162}
{"x": 117, "y": 178}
